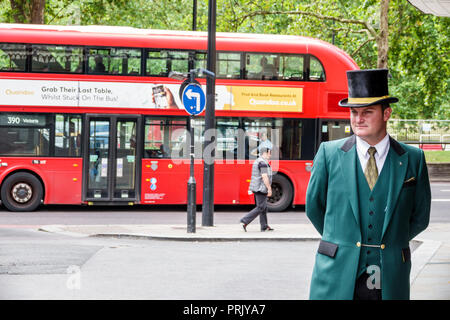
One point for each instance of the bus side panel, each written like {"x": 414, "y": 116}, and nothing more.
{"x": 244, "y": 183}
{"x": 10, "y": 166}
{"x": 164, "y": 181}
{"x": 311, "y": 100}
{"x": 227, "y": 180}
{"x": 61, "y": 177}
{"x": 65, "y": 176}
{"x": 297, "y": 172}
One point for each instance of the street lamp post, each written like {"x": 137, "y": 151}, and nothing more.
{"x": 192, "y": 184}
{"x": 208, "y": 168}
{"x": 194, "y": 15}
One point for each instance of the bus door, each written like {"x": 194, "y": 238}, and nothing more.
{"x": 111, "y": 163}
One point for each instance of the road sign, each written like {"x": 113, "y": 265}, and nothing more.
{"x": 194, "y": 99}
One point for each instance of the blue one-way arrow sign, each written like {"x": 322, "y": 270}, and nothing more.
{"x": 194, "y": 99}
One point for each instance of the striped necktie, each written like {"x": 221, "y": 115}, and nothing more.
{"x": 371, "y": 171}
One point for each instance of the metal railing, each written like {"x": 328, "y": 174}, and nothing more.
{"x": 421, "y": 132}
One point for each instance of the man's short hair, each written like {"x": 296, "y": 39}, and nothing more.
{"x": 384, "y": 106}
{"x": 264, "y": 149}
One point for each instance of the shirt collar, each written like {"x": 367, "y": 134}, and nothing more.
{"x": 382, "y": 146}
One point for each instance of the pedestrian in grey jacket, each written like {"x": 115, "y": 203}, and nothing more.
{"x": 260, "y": 185}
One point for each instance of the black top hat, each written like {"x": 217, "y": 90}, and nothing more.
{"x": 367, "y": 88}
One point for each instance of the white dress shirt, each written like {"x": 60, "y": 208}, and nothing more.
{"x": 382, "y": 147}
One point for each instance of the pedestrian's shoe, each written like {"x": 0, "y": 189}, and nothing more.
{"x": 267, "y": 229}
{"x": 244, "y": 226}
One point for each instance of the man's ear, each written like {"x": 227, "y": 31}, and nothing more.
{"x": 387, "y": 113}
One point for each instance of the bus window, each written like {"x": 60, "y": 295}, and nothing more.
{"x": 24, "y": 135}
{"x": 198, "y": 123}
{"x": 228, "y": 65}
{"x": 227, "y": 138}
{"x": 130, "y": 60}
{"x": 165, "y": 137}
{"x": 24, "y": 142}
{"x": 50, "y": 58}
{"x": 178, "y": 61}
{"x": 258, "y": 132}
{"x": 13, "y": 57}
{"x": 116, "y": 61}
{"x": 160, "y": 63}
{"x": 291, "y": 67}
{"x": 156, "y": 64}
{"x": 260, "y": 66}
{"x": 98, "y": 61}
{"x": 68, "y": 135}
{"x": 335, "y": 129}
{"x": 200, "y": 60}
{"x": 291, "y": 139}
{"x": 316, "y": 73}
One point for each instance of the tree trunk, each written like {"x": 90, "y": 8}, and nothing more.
{"x": 37, "y": 11}
{"x": 19, "y": 11}
{"x": 383, "y": 37}
{"x": 28, "y": 11}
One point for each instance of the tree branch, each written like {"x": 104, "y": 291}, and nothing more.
{"x": 362, "y": 45}
{"x": 60, "y": 10}
{"x": 363, "y": 23}
{"x": 348, "y": 30}
{"x": 232, "y": 6}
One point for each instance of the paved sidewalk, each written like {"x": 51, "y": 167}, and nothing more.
{"x": 430, "y": 273}
{"x": 432, "y": 281}
{"x": 224, "y": 232}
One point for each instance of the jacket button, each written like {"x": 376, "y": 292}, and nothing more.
{"x": 358, "y": 244}
{"x": 382, "y": 246}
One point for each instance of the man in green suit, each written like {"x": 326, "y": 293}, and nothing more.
{"x": 368, "y": 196}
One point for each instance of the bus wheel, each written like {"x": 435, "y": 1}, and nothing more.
{"x": 21, "y": 192}
{"x": 282, "y": 193}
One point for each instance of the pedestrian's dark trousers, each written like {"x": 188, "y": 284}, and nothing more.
{"x": 260, "y": 209}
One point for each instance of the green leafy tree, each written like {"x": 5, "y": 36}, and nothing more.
{"x": 420, "y": 63}
{"x": 379, "y": 34}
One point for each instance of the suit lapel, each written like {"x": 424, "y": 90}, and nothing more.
{"x": 348, "y": 165}
{"x": 398, "y": 166}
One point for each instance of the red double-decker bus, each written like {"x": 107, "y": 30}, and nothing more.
{"x": 88, "y": 115}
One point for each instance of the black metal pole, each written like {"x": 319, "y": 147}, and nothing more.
{"x": 194, "y": 16}
{"x": 191, "y": 185}
{"x": 208, "y": 167}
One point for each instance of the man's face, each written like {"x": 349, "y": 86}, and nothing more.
{"x": 369, "y": 123}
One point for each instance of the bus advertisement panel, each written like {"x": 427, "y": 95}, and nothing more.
{"x": 143, "y": 95}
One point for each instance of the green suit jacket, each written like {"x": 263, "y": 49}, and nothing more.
{"x": 332, "y": 207}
